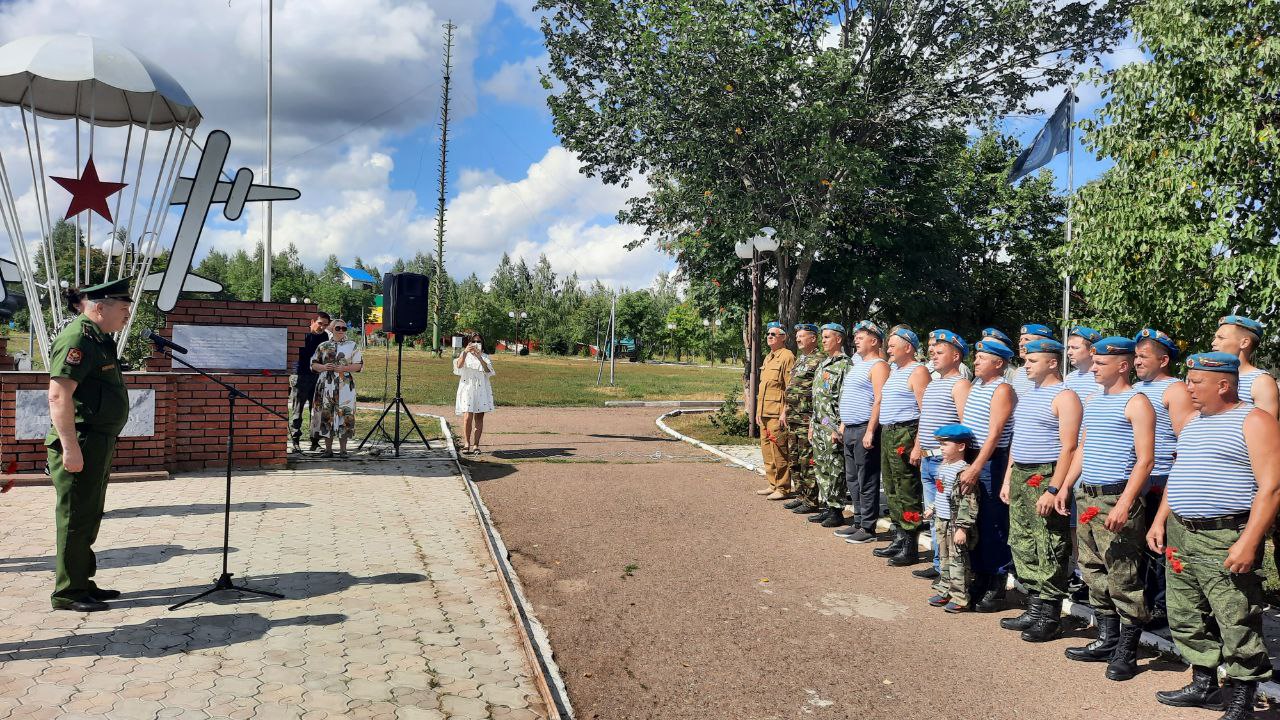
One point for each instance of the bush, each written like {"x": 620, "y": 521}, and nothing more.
{"x": 730, "y": 419}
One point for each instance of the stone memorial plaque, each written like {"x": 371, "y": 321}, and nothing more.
{"x": 31, "y": 421}
{"x": 233, "y": 347}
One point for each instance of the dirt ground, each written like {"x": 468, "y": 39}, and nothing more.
{"x": 670, "y": 590}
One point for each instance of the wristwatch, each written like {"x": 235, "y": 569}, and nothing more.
{"x": 1052, "y": 490}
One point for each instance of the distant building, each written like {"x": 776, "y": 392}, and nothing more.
{"x": 357, "y": 279}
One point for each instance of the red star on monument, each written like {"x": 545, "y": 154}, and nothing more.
{"x": 88, "y": 192}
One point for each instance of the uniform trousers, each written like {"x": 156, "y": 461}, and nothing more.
{"x": 81, "y": 498}
{"x": 773, "y": 448}
{"x": 901, "y": 478}
{"x": 803, "y": 480}
{"x": 1110, "y": 562}
{"x": 1041, "y": 546}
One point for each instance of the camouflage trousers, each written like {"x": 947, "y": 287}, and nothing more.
{"x": 828, "y": 462}
{"x": 774, "y": 451}
{"x": 1041, "y": 545}
{"x": 804, "y": 480}
{"x": 955, "y": 567}
{"x": 901, "y": 479}
{"x": 1111, "y": 563}
{"x": 1215, "y": 616}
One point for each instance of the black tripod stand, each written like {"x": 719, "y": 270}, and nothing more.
{"x": 224, "y": 581}
{"x": 398, "y": 403}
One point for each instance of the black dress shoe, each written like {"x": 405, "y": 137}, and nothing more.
{"x": 82, "y": 606}
{"x": 101, "y": 594}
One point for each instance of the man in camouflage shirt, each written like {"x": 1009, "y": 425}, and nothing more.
{"x": 828, "y": 456}
{"x": 796, "y": 417}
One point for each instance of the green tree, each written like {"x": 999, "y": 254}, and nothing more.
{"x": 1183, "y": 228}
{"x": 688, "y": 329}
{"x": 738, "y": 115}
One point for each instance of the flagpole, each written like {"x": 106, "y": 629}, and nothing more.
{"x": 1071, "y": 189}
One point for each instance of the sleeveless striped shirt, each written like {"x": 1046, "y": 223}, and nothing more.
{"x": 1082, "y": 383}
{"x": 897, "y": 400}
{"x": 1109, "y": 454}
{"x": 1035, "y": 427}
{"x": 947, "y": 473}
{"x": 1166, "y": 441}
{"x": 977, "y": 413}
{"x": 937, "y": 408}
{"x": 1245, "y": 388}
{"x": 1020, "y": 382}
{"x": 1212, "y": 475}
{"x": 858, "y": 394}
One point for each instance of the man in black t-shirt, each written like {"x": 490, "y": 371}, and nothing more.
{"x": 304, "y": 386}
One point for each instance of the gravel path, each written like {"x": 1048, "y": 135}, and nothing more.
{"x": 670, "y": 590}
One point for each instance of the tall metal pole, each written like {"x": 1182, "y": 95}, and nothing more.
{"x": 266, "y": 248}
{"x": 613, "y": 337}
{"x": 438, "y": 280}
{"x": 753, "y": 343}
{"x": 1071, "y": 191}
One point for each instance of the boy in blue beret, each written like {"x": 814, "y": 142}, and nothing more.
{"x": 955, "y": 518}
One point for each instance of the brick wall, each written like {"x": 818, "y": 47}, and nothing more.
{"x": 191, "y": 421}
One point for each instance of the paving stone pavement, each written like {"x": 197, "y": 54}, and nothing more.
{"x": 392, "y": 607}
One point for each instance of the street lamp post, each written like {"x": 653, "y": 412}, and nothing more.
{"x": 707, "y": 324}
{"x": 764, "y": 242}
{"x": 517, "y": 317}
{"x": 671, "y": 338}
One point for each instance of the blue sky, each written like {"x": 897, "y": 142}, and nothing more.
{"x": 356, "y": 114}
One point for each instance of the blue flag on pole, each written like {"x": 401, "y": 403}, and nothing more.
{"x": 1053, "y": 138}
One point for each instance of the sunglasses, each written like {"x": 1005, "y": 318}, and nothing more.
{"x": 340, "y": 328}
{"x": 774, "y": 334}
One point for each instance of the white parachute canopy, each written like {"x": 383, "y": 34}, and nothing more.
{"x": 78, "y": 98}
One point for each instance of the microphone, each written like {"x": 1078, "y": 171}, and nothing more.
{"x": 162, "y": 342}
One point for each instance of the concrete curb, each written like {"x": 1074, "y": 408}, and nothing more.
{"x": 538, "y": 646}
{"x": 701, "y": 404}
{"x": 1149, "y": 640}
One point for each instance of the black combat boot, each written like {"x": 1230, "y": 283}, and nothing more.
{"x": 892, "y": 548}
{"x": 1123, "y": 664}
{"x": 1047, "y": 623}
{"x": 909, "y": 553}
{"x": 804, "y": 508}
{"x": 1201, "y": 692}
{"x": 1026, "y": 619}
{"x": 834, "y": 519}
{"x": 1239, "y": 697}
{"x": 820, "y": 515}
{"x": 793, "y": 504}
{"x": 992, "y": 599}
{"x": 1099, "y": 650}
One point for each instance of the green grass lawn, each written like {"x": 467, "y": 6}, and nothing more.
{"x": 543, "y": 381}
{"x": 698, "y": 426}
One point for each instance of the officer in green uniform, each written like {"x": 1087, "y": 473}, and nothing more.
{"x": 827, "y": 455}
{"x": 88, "y": 406}
{"x": 796, "y": 417}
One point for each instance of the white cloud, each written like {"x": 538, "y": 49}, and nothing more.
{"x": 518, "y": 83}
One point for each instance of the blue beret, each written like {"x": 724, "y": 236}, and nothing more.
{"x": 1214, "y": 362}
{"x": 992, "y": 346}
{"x": 950, "y": 338}
{"x": 994, "y": 333}
{"x": 1159, "y": 337}
{"x": 1114, "y": 345}
{"x": 806, "y": 326}
{"x": 1087, "y": 333}
{"x": 1036, "y": 329}
{"x": 1044, "y": 345}
{"x": 954, "y": 432}
{"x": 1249, "y": 324}
{"x": 837, "y": 327}
{"x": 775, "y": 325}
{"x": 909, "y": 336}
{"x": 868, "y": 326}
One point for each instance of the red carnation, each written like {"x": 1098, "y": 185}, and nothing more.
{"x": 1035, "y": 480}
{"x": 11, "y": 468}
{"x": 1170, "y": 551}
{"x": 267, "y": 373}
{"x": 1176, "y": 565}
{"x": 911, "y": 516}
{"x": 1088, "y": 514}
{"x": 901, "y": 449}
{"x": 812, "y": 462}
{"x": 938, "y": 484}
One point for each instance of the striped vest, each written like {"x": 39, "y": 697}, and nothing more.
{"x": 897, "y": 400}
{"x": 1109, "y": 453}
{"x": 977, "y": 413}
{"x": 1082, "y": 383}
{"x": 1245, "y": 388}
{"x": 1212, "y": 475}
{"x": 937, "y": 408}
{"x": 1035, "y": 427}
{"x": 858, "y": 395}
{"x": 1166, "y": 441}
{"x": 1020, "y": 382}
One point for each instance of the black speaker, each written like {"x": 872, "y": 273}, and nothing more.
{"x": 404, "y": 303}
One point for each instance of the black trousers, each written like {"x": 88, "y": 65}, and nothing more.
{"x": 304, "y": 391}
{"x": 862, "y": 475}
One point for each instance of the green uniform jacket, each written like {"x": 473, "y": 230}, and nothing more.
{"x": 85, "y": 354}
{"x": 827, "y": 382}
{"x": 800, "y": 387}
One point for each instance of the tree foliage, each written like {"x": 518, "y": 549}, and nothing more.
{"x": 1184, "y": 227}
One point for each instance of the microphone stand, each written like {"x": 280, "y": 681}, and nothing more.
{"x": 224, "y": 581}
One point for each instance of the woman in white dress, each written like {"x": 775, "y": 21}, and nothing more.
{"x": 475, "y": 394}
{"x": 333, "y": 407}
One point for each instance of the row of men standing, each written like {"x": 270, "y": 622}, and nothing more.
{"x": 835, "y": 428}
